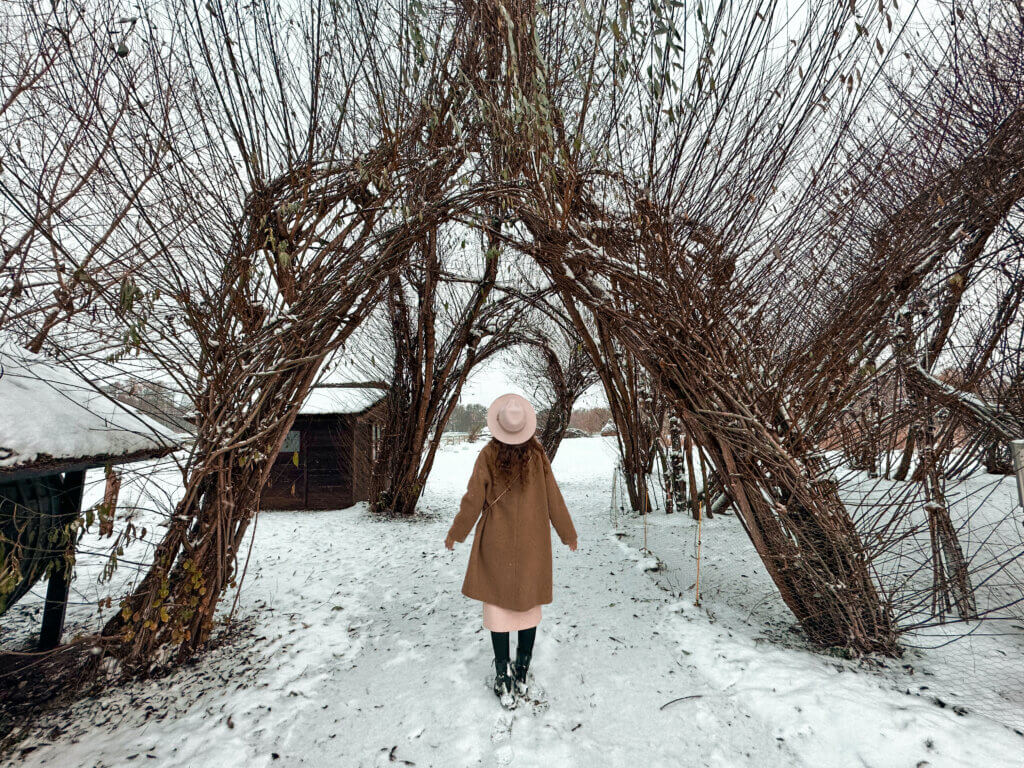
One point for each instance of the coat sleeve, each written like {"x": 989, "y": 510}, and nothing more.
{"x": 558, "y": 513}
{"x": 473, "y": 500}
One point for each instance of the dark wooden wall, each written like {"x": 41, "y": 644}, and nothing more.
{"x": 334, "y": 463}
{"x": 365, "y": 427}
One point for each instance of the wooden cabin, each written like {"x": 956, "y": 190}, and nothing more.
{"x": 55, "y": 426}
{"x": 327, "y": 457}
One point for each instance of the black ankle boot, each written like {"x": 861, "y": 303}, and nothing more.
{"x": 502, "y": 681}
{"x": 519, "y": 670}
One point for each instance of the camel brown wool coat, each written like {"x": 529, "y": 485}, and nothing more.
{"x": 510, "y": 562}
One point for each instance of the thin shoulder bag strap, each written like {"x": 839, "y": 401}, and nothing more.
{"x": 501, "y": 494}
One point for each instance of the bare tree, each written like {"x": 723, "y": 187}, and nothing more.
{"x": 975, "y": 83}
{"x": 717, "y": 216}
{"x": 753, "y": 305}
{"x": 313, "y": 166}
{"x": 442, "y": 325}
{"x": 69, "y": 82}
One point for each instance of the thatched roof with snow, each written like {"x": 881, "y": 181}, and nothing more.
{"x": 53, "y": 420}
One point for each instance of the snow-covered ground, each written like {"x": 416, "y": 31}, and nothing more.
{"x": 977, "y": 666}
{"x": 361, "y": 651}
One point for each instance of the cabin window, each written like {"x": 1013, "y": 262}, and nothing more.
{"x": 291, "y": 442}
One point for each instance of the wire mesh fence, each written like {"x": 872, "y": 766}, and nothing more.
{"x": 109, "y": 559}
{"x": 975, "y": 664}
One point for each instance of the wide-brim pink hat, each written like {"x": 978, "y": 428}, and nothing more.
{"x": 511, "y": 419}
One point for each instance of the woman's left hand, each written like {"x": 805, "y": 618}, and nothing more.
{"x": 449, "y": 542}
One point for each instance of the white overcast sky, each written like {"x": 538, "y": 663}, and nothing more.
{"x": 494, "y": 378}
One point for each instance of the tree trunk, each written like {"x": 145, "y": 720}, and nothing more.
{"x": 401, "y": 471}
{"x": 688, "y": 455}
{"x": 705, "y": 497}
{"x": 195, "y": 561}
{"x": 811, "y": 550}
{"x": 677, "y": 482}
{"x": 555, "y": 425}
{"x": 998, "y": 459}
{"x": 903, "y": 468}
{"x": 949, "y": 566}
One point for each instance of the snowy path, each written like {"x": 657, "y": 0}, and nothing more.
{"x": 367, "y": 654}
{"x": 602, "y": 655}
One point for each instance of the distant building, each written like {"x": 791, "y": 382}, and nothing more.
{"x": 609, "y": 429}
{"x": 56, "y": 425}
{"x": 161, "y": 403}
{"x": 327, "y": 458}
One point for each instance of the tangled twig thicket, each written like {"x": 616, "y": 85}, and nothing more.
{"x": 735, "y": 234}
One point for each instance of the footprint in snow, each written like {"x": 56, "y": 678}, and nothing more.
{"x": 501, "y": 736}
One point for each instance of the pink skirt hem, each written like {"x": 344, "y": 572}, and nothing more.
{"x": 498, "y": 619}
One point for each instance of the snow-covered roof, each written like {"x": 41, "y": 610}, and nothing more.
{"x": 332, "y": 400}
{"x": 50, "y": 415}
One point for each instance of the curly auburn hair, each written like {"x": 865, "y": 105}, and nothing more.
{"x": 513, "y": 460}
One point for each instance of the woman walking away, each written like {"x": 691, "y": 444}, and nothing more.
{"x": 513, "y": 492}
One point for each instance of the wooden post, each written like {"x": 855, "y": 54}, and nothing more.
{"x": 696, "y": 594}
{"x": 110, "y": 494}
{"x": 59, "y": 585}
